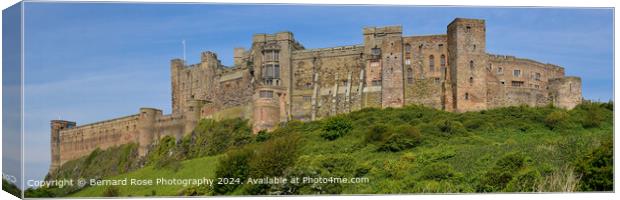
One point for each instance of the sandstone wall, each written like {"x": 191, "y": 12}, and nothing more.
{"x": 81, "y": 140}
{"x": 426, "y": 61}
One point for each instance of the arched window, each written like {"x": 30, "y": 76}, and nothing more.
{"x": 409, "y": 75}
{"x": 431, "y": 62}
{"x": 466, "y": 96}
{"x": 471, "y": 65}
{"x": 442, "y": 60}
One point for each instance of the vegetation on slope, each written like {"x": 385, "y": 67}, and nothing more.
{"x": 408, "y": 150}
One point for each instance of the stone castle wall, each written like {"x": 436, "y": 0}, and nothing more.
{"x": 277, "y": 80}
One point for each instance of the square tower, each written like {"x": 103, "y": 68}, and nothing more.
{"x": 467, "y": 59}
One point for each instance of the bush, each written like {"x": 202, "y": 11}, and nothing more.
{"x": 235, "y": 164}
{"x": 336, "y": 127}
{"x": 496, "y": 178}
{"x": 213, "y": 137}
{"x": 558, "y": 119}
{"x": 275, "y": 156}
{"x": 405, "y": 137}
{"x": 437, "y": 171}
{"x": 592, "y": 114}
{"x": 450, "y": 127}
{"x": 596, "y": 169}
{"x": 111, "y": 191}
{"x": 262, "y": 136}
{"x": 376, "y": 133}
{"x": 525, "y": 181}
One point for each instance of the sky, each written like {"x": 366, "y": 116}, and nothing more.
{"x": 87, "y": 62}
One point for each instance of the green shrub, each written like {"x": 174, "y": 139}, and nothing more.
{"x": 275, "y": 156}
{"x": 405, "y": 137}
{"x": 558, "y": 119}
{"x": 235, "y": 164}
{"x": 596, "y": 169}
{"x": 437, "y": 171}
{"x": 525, "y": 181}
{"x": 496, "y": 178}
{"x": 111, "y": 191}
{"x": 262, "y": 136}
{"x": 377, "y": 133}
{"x": 213, "y": 137}
{"x": 592, "y": 114}
{"x": 336, "y": 127}
{"x": 164, "y": 149}
{"x": 196, "y": 190}
{"x": 450, "y": 127}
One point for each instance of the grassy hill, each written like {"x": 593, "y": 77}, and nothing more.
{"x": 407, "y": 150}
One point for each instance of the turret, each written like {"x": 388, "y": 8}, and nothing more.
{"x": 383, "y": 47}
{"x": 467, "y": 59}
{"x": 176, "y": 66}
{"x": 192, "y": 116}
{"x": 146, "y": 128}
{"x": 565, "y": 92}
{"x": 55, "y": 142}
{"x": 238, "y": 56}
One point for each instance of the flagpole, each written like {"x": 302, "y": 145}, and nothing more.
{"x": 183, "y": 51}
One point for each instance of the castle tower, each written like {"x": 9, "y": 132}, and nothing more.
{"x": 238, "y": 56}
{"x": 192, "y": 116}
{"x": 384, "y": 49}
{"x": 269, "y": 104}
{"x": 176, "y": 66}
{"x": 565, "y": 92}
{"x": 55, "y": 142}
{"x": 467, "y": 59}
{"x": 146, "y": 128}
{"x": 271, "y": 58}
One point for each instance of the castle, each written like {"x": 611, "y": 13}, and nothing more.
{"x": 278, "y": 80}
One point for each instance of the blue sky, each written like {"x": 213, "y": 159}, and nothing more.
{"x": 90, "y": 62}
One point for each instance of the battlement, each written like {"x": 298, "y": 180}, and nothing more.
{"x": 385, "y": 30}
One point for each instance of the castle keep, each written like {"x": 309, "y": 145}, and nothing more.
{"x": 277, "y": 80}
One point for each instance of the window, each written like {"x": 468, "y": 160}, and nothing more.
{"x": 409, "y": 75}
{"x": 466, "y": 96}
{"x": 374, "y": 64}
{"x": 471, "y": 65}
{"x": 537, "y": 76}
{"x": 471, "y": 80}
{"x": 467, "y": 29}
{"x": 440, "y": 46}
{"x": 376, "y": 51}
{"x": 308, "y": 85}
{"x": 431, "y": 63}
{"x": 266, "y": 94}
{"x": 407, "y": 48}
{"x": 271, "y": 55}
{"x": 442, "y": 60}
{"x": 437, "y": 81}
{"x": 500, "y": 70}
{"x": 407, "y": 61}
{"x": 516, "y": 73}
{"x": 517, "y": 83}
{"x": 271, "y": 71}
{"x": 537, "y": 86}
{"x": 376, "y": 82}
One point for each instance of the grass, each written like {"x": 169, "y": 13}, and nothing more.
{"x": 452, "y": 153}
{"x": 195, "y": 168}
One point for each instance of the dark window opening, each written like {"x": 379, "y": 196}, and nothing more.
{"x": 431, "y": 62}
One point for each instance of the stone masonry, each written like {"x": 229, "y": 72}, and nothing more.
{"x": 278, "y": 80}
